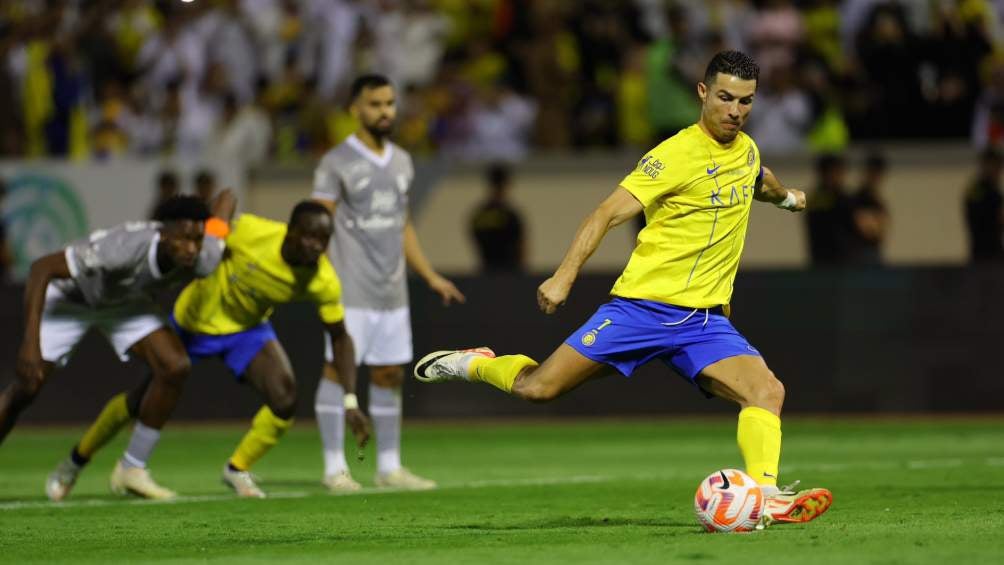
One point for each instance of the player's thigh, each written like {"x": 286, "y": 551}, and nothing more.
{"x": 744, "y": 379}
{"x": 271, "y": 374}
{"x": 163, "y": 352}
{"x": 564, "y": 370}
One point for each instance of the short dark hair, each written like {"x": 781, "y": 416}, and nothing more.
{"x": 364, "y": 82}
{"x": 204, "y": 176}
{"x": 307, "y": 208}
{"x": 178, "y": 208}
{"x": 167, "y": 177}
{"x": 732, "y": 62}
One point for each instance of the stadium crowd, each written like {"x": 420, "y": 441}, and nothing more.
{"x": 483, "y": 79}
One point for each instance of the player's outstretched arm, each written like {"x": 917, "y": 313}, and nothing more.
{"x": 416, "y": 259}
{"x": 615, "y": 210}
{"x": 770, "y": 190}
{"x": 224, "y": 205}
{"x": 43, "y": 270}
{"x": 345, "y": 365}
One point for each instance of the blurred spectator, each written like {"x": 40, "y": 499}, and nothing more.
{"x": 411, "y": 41}
{"x": 673, "y": 67}
{"x": 776, "y": 35}
{"x": 205, "y": 185}
{"x": 6, "y": 256}
{"x": 984, "y": 208}
{"x": 167, "y": 187}
{"x": 244, "y": 133}
{"x": 828, "y": 216}
{"x": 499, "y": 123}
{"x": 783, "y": 114}
{"x": 870, "y": 214}
{"x": 497, "y": 228}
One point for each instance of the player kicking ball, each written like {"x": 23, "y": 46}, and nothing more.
{"x": 671, "y": 301}
{"x": 226, "y": 315}
{"x": 108, "y": 282}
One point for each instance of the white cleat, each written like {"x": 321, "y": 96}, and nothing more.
{"x": 450, "y": 365}
{"x": 242, "y": 482}
{"x": 340, "y": 483}
{"x": 60, "y": 482}
{"x": 403, "y": 479}
{"x": 137, "y": 481}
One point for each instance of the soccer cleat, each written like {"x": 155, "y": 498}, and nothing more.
{"x": 448, "y": 365}
{"x": 243, "y": 483}
{"x": 341, "y": 482}
{"x": 137, "y": 480}
{"x": 403, "y": 479}
{"x": 61, "y": 480}
{"x": 787, "y": 507}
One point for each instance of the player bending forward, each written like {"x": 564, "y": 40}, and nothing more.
{"x": 108, "y": 281}
{"x": 671, "y": 301}
{"x": 227, "y": 315}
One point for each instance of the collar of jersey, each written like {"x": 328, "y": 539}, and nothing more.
{"x": 378, "y": 160}
{"x": 151, "y": 256}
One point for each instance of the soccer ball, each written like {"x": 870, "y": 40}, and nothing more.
{"x": 728, "y": 501}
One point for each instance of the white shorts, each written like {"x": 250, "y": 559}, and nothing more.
{"x": 380, "y": 337}
{"x": 64, "y": 323}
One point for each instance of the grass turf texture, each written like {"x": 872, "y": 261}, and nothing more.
{"x": 575, "y": 492}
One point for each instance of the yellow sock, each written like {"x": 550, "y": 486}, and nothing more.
{"x": 114, "y": 416}
{"x": 759, "y": 439}
{"x": 500, "y": 372}
{"x": 266, "y": 429}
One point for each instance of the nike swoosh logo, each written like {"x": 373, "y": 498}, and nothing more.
{"x": 725, "y": 484}
{"x": 768, "y": 475}
{"x": 715, "y": 170}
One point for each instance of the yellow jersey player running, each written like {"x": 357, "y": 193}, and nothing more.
{"x": 671, "y": 301}
{"x": 226, "y": 315}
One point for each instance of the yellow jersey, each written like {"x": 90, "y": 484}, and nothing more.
{"x": 252, "y": 279}
{"x": 697, "y": 195}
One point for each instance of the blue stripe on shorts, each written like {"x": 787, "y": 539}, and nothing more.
{"x": 627, "y": 333}
{"x": 236, "y": 349}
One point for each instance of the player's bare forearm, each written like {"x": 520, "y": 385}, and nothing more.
{"x": 344, "y": 356}
{"x": 42, "y": 271}
{"x": 771, "y": 190}
{"x": 224, "y": 205}
{"x": 414, "y": 255}
{"x": 615, "y": 210}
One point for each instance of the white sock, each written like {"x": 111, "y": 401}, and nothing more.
{"x": 385, "y": 410}
{"x": 141, "y": 444}
{"x": 329, "y": 407}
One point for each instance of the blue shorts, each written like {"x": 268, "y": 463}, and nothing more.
{"x": 236, "y": 349}
{"x": 627, "y": 333}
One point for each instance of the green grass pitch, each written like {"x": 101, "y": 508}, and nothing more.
{"x": 914, "y": 491}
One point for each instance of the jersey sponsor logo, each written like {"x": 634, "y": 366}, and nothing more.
{"x": 43, "y": 213}
{"x": 651, "y": 166}
{"x": 383, "y": 201}
{"x": 737, "y": 194}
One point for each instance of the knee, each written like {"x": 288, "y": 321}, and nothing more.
{"x": 175, "y": 371}
{"x": 283, "y": 401}
{"x": 387, "y": 377}
{"x": 771, "y": 393}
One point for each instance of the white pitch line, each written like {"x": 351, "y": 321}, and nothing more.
{"x": 102, "y": 502}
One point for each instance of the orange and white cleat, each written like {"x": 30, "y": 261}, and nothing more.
{"x": 448, "y": 365}
{"x": 788, "y": 506}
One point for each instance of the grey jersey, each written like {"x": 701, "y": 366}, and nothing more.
{"x": 118, "y": 265}
{"x": 371, "y": 193}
